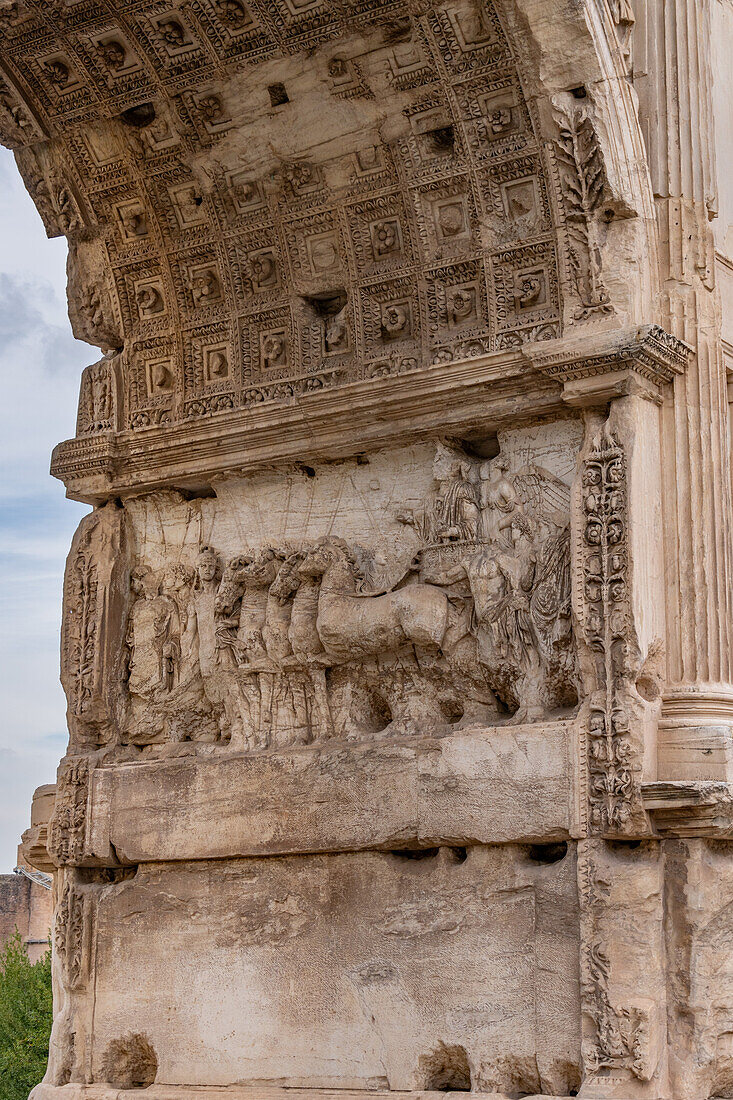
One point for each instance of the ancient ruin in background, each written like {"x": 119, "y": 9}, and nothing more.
{"x": 25, "y": 896}
{"x": 397, "y": 646}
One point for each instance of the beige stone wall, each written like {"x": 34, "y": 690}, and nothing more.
{"x": 27, "y": 907}
{"x": 14, "y": 904}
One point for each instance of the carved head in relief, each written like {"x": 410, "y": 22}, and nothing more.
{"x": 328, "y": 552}
{"x": 207, "y": 567}
{"x": 446, "y": 464}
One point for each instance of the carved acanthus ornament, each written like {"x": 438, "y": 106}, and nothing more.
{"x": 613, "y": 779}
{"x": 71, "y": 933}
{"x": 67, "y": 827}
{"x": 621, "y": 1039}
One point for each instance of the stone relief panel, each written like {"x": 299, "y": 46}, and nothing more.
{"x": 405, "y": 592}
{"x": 422, "y": 228}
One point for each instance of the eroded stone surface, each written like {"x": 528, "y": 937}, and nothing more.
{"x": 478, "y": 949}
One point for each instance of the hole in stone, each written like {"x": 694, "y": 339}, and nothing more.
{"x": 141, "y": 115}
{"x": 452, "y": 709}
{"x": 458, "y": 855}
{"x": 380, "y": 712}
{"x": 277, "y": 94}
{"x": 415, "y": 853}
{"x": 648, "y": 688}
{"x": 327, "y": 304}
{"x": 481, "y": 446}
{"x": 443, "y": 139}
{"x": 204, "y": 493}
{"x": 105, "y": 876}
{"x": 198, "y": 199}
{"x": 308, "y": 471}
{"x": 362, "y": 460}
{"x": 579, "y": 92}
{"x": 446, "y": 1069}
{"x": 622, "y": 846}
{"x": 130, "y": 1063}
{"x": 547, "y": 853}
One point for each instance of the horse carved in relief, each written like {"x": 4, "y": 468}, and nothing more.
{"x": 351, "y": 624}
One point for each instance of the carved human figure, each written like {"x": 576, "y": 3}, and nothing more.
{"x": 501, "y": 508}
{"x": 456, "y": 508}
{"x": 68, "y": 215}
{"x": 501, "y": 583}
{"x": 206, "y": 587}
{"x": 454, "y": 514}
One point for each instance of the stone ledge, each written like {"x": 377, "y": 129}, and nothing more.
{"x": 690, "y": 809}
{"x": 594, "y": 369}
{"x": 500, "y": 785}
{"x": 252, "y": 1092}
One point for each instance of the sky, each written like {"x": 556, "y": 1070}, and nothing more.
{"x": 40, "y": 368}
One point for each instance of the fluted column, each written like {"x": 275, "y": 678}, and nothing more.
{"x": 673, "y": 78}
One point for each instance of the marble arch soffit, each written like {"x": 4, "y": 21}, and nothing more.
{"x": 268, "y": 199}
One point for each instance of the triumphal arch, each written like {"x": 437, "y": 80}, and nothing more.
{"x": 397, "y": 644}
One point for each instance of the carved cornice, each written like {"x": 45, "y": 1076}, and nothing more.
{"x": 443, "y": 399}
{"x": 641, "y": 359}
{"x": 480, "y": 393}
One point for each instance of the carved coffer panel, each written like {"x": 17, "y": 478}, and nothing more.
{"x": 347, "y": 970}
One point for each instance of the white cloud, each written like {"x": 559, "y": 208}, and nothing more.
{"x": 40, "y": 363}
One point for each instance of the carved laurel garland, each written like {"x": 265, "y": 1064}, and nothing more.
{"x": 605, "y": 566}
{"x": 583, "y": 182}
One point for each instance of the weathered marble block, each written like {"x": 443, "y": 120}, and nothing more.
{"x": 455, "y": 789}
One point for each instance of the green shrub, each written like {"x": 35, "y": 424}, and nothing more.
{"x": 26, "y": 1007}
